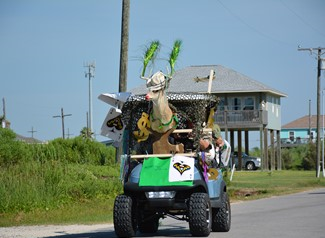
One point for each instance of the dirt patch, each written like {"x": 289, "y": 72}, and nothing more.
{"x": 248, "y": 192}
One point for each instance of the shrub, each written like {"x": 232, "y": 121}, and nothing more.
{"x": 45, "y": 176}
{"x": 309, "y": 158}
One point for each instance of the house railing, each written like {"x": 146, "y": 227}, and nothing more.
{"x": 242, "y": 118}
{"x": 294, "y": 142}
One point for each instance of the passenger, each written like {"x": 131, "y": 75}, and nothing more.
{"x": 219, "y": 149}
{"x": 223, "y": 151}
{"x": 207, "y": 145}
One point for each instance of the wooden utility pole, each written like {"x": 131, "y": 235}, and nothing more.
{"x": 62, "y": 119}
{"x": 123, "y": 58}
{"x": 32, "y": 131}
{"x": 319, "y": 64}
{"x": 4, "y": 108}
{"x": 124, "y": 45}
{"x": 3, "y": 119}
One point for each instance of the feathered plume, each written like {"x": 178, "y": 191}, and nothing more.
{"x": 174, "y": 54}
{"x": 150, "y": 54}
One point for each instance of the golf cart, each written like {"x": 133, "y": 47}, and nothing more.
{"x": 164, "y": 173}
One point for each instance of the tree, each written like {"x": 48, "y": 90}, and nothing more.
{"x": 86, "y": 133}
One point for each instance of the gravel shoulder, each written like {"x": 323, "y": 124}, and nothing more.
{"x": 55, "y": 231}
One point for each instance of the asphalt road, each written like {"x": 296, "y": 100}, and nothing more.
{"x": 299, "y": 215}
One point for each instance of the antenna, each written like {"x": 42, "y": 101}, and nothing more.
{"x": 90, "y": 74}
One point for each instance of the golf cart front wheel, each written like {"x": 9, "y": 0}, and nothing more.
{"x": 200, "y": 214}
{"x": 124, "y": 217}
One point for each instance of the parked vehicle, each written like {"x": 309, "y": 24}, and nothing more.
{"x": 248, "y": 162}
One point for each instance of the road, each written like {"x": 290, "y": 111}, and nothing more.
{"x": 300, "y": 215}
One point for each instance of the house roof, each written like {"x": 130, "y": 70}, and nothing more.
{"x": 29, "y": 140}
{"x": 303, "y": 122}
{"x": 196, "y": 79}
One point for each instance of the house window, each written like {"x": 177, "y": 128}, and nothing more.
{"x": 235, "y": 103}
{"x": 292, "y": 135}
{"x": 248, "y": 103}
{"x": 221, "y": 104}
{"x": 241, "y": 103}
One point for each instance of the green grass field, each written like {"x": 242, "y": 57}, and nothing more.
{"x": 259, "y": 184}
{"x": 244, "y": 186}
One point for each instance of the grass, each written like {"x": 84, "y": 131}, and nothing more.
{"x": 244, "y": 186}
{"x": 260, "y": 184}
{"x": 87, "y": 212}
{"x": 80, "y": 194}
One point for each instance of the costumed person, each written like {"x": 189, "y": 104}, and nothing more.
{"x": 207, "y": 146}
{"x": 223, "y": 150}
{"x": 217, "y": 148}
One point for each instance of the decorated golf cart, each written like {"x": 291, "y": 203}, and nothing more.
{"x": 163, "y": 170}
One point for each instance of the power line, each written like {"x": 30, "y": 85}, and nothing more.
{"x": 248, "y": 25}
{"x": 302, "y": 19}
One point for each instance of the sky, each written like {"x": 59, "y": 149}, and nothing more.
{"x": 45, "y": 45}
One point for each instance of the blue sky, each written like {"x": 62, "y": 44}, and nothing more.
{"x": 45, "y": 44}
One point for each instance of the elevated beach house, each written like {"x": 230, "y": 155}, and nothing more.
{"x": 245, "y": 106}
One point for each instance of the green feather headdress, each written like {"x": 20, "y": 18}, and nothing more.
{"x": 150, "y": 55}
{"x": 174, "y": 55}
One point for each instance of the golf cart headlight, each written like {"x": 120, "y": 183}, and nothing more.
{"x": 161, "y": 194}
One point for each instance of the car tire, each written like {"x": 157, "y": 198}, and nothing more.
{"x": 250, "y": 166}
{"x": 222, "y": 216}
{"x": 200, "y": 214}
{"x": 124, "y": 217}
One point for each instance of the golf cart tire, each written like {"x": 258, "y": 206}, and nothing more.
{"x": 124, "y": 219}
{"x": 200, "y": 214}
{"x": 222, "y": 216}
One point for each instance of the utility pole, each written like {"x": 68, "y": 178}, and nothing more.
{"x": 3, "y": 122}
{"x": 62, "y": 119}
{"x": 323, "y": 133}
{"x": 123, "y": 58}
{"x": 87, "y": 127}
{"x": 4, "y": 108}
{"x": 32, "y": 131}
{"x": 319, "y": 65}
{"x": 124, "y": 46}
{"x": 309, "y": 122}
{"x": 90, "y": 74}
{"x": 68, "y": 134}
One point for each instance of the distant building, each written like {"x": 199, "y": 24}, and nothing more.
{"x": 108, "y": 142}
{"x": 28, "y": 140}
{"x": 300, "y": 131}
